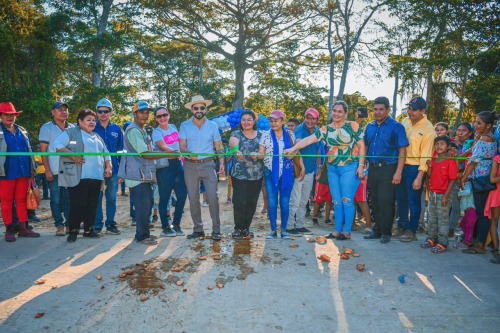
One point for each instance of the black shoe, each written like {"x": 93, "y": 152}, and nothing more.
{"x": 91, "y": 234}
{"x": 34, "y": 218}
{"x": 385, "y": 239}
{"x": 112, "y": 230}
{"x": 124, "y": 194}
{"x": 373, "y": 235}
{"x": 315, "y": 221}
{"x": 196, "y": 234}
{"x": 293, "y": 232}
{"x": 236, "y": 234}
{"x": 155, "y": 218}
{"x": 330, "y": 236}
{"x": 177, "y": 229}
{"x": 46, "y": 198}
{"x": 304, "y": 231}
{"x": 216, "y": 236}
{"x": 72, "y": 238}
{"x": 98, "y": 230}
{"x": 328, "y": 222}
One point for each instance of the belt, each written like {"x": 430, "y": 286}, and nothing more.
{"x": 380, "y": 164}
{"x": 199, "y": 161}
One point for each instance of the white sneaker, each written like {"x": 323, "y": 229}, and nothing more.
{"x": 204, "y": 204}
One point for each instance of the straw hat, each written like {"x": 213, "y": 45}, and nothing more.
{"x": 198, "y": 99}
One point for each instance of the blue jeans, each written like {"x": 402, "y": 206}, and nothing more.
{"x": 110, "y": 192}
{"x": 171, "y": 177}
{"x": 272, "y": 198}
{"x": 407, "y": 196}
{"x": 59, "y": 203}
{"x": 41, "y": 178}
{"x": 122, "y": 186}
{"x": 142, "y": 199}
{"x": 343, "y": 185}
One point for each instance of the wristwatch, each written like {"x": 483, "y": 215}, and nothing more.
{"x": 361, "y": 164}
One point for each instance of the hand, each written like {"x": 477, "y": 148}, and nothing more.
{"x": 289, "y": 151}
{"x": 477, "y": 136}
{"x": 318, "y": 174}
{"x": 107, "y": 173}
{"x": 253, "y": 156}
{"x": 429, "y": 163}
{"x": 221, "y": 169}
{"x": 444, "y": 201}
{"x": 239, "y": 154}
{"x": 78, "y": 159}
{"x": 192, "y": 157}
{"x": 120, "y": 180}
{"x": 360, "y": 172}
{"x": 396, "y": 179}
{"x": 417, "y": 184}
{"x": 33, "y": 174}
{"x": 49, "y": 175}
{"x": 302, "y": 174}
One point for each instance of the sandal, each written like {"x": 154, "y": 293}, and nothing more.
{"x": 496, "y": 254}
{"x": 331, "y": 236}
{"x": 343, "y": 237}
{"x": 427, "y": 244}
{"x": 263, "y": 211}
{"x": 438, "y": 249}
{"x": 148, "y": 241}
{"x": 367, "y": 231}
{"x": 472, "y": 251}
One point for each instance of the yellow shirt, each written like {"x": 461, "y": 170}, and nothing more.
{"x": 421, "y": 137}
{"x": 40, "y": 167}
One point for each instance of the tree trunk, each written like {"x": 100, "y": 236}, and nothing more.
{"x": 200, "y": 65}
{"x": 462, "y": 97}
{"x": 239, "y": 81}
{"x": 395, "y": 96}
{"x": 98, "y": 47}
{"x": 345, "y": 69}
{"x": 332, "y": 86}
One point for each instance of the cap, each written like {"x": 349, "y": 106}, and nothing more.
{"x": 58, "y": 104}
{"x": 105, "y": 103}
{"x": 277, "y": 114}
{"x": 141, "y": 106}
{"x": 418, "y": 103}
{"x": 312, "y": 112}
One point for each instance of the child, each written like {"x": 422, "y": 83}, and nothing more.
{"x": 441, "y": 172}
{"x": 469, "y": 220}
{"x": 362, "y": 201}
{"x": 322, "y": 194}
{"x": 492, "y": 209}
{"x": 442, "y": 128}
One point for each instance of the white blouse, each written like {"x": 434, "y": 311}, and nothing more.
{"x": 93, "y": 167}
{"x": 267, "y": 142}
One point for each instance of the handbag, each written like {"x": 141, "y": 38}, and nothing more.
{"x": 33, "y": 198}
{"x": 160, "y": 163}
{"x": 482, "y": 184}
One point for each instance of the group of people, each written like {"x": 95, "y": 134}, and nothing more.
{"x": 404, "y": 165}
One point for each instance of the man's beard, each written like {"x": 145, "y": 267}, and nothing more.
{"x": 199, "y": 115}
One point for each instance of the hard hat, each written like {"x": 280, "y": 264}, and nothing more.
{"x": 106, "y": 103}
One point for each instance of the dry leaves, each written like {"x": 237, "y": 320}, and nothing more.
{"x": 294, "y": 245}
{"x": 177, "y": 269}
{"x": 144, "y": 298}
{"x": 41, "y": 314}
{"x": 321, "y": 239}
{"x": 344, "y": 256}
{"x": 220, "y": 285}
{"x": 293, "y": 238}
{"x": 355, "y": 254}
{"x": 138, "y": 264}
{"x": 129, "y": 271}
{"x": 360, "y": 267}
{"x": 216, "y": 257}
{"x": 184, "y": 290}
{"x": 102, "y": 287}
{"x": 324, "y": 257}
{"x": 210, "y": 288}
{"x": 122, "y": 275}
{"x": 163, "y": 287}
{"x": 54, "y": 287}
{"x": 310, "y": 240}
{"x": 179, "y": 283}
{"x": 202, "y": 258}
{"x": 99, "y": 276}
{"x": 40, "y": 281}
{"x": 348, "y": 251}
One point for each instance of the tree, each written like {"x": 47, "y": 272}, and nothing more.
{"x": 247, "y": 33}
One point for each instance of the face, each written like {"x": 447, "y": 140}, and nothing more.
{"x": 415, "y": 114}
{"x": 480, "y": 126}
{"x": 441, "y": 130}
{"x": 141, "y": 117}
{"x": 162, "y": 117}
{"x": 198, "y": 110}
{"x": 87, "y": 124}
{"x": 247, "y": 122}
{"x": 37, "y": 149}
{"x": 380, "y": 112}
{"x": 60, "y": 113}
{"x": 276, "y": 124}
{"x": 463, "y": 133}
{"x": 310, "y": 121}
{"x": 441, "y": 147}
{"x": 292, "y": 126}
{"x": 8, "y": 118}
{"x": 104, "y": 113}
{"x": 338, "y": 113}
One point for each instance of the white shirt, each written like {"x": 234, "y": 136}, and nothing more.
{"x": 48, "y": 134}
{"x": 267, "y": 142}
{"x": 94, "y": 166}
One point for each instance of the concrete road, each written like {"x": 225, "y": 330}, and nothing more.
{"x": 267, "y": 285}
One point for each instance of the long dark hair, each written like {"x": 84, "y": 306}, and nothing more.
{"x": 488, "y": 117}
{"x": 252, "y": 114}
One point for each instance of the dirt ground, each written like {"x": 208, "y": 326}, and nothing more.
{"x": 256, "y": 285}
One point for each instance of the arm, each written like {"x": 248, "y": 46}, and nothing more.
{"x": 108, "y": 169}
{"x": 44, "y": 137}
{"x": 446, "y": 195}
{"x": 362, "y": 160}
{"x": 427, "y": 149}
{"x": 60, "y": 145}
{"x": 233, "y": 142}
{"x": 183, "y": 148}
{"x": 396, "y": 179}
{"x": 220, "y": 157}
{"x": 302, "y": 144}
{"x": 262, "y": 152}
{"x": 302, "y": 170}
{"x": 493, "y": 173}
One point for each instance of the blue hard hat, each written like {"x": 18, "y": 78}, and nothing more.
{"x": 105, "y": 103}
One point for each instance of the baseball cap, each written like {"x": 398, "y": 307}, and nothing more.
{"x": 58, "y": 104}
{"x": 141, "y": 106}
{"x": 277, "y": 114}
{"x": 418, "y": 103}
{"x": 312, "y": 112}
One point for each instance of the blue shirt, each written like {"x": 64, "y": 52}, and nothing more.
{"x": 385, "y": 140}
{"x": 16, "y": 166}
{"x": 112, "y": 136}
{"x": 200, "y": 140}
{"x": 301, "y": 132}
{"x": 497, "y": 133}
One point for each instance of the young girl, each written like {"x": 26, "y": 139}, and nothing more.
{"x": 492, "y": 209}
{"x": 470, "y": 216}
{"x": 442, "y": 128}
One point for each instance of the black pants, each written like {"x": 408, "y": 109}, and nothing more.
{"x": 142, "y": 199}
{"x": 383, "y": 197}
{"x": 245, "y": 197}
{"x": 83, "y": 199}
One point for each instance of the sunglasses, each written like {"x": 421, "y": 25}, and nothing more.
{"x": 201, "y": 108}
{"x": 103, "y": 111}
{"x": 164, "y": 115}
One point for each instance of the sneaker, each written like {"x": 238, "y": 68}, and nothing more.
{"x": 91, "y": 234}
{"x": 60, "y": 231}
{"x": 272, "y": 235}
{"x": 245, "y": 233}
{"x": 204, "y": 204}
{"x": 304, "y": 231}
{"x": 216, "y": 236}
{"x": 112, "y": 230}
{"x": 315, "y": 221}
{"x": 373, "y": 235}
{"x": 10, "y": 236}
{"x": 168, "y": 232}
{"x": 228, "y": 200}
{"x": 134, "y": 222}
{"x": 460, "y": 245}
{"x": 177, "y": 229}
{"x": 408, "y": 236}
{"x": 72, "y": 238}
{"x": 196, "y": 234}
{"x": 398, "y": 232}
{"x": 384, "y": 239}
{"x": 98, "y": 230}
{"x": 155, "y": 218}
{"x": 328, "y": 222}
{"x": 34, "y": 218}
{"x": 236, "y": 234}
{"x": 124, "y": 194}
{"x": 284, "y": 235}
{"x": 151, "y": 227}
{"x": 293, "y": 232}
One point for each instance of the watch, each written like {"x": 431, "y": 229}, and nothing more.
{"x": 361, "y": 164}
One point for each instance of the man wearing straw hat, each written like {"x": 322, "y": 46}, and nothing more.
{"x": 200, "y": 135}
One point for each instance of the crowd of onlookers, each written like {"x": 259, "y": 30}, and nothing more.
{"x": 409, "y": 167}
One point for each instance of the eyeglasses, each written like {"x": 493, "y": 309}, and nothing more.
{"x": 103, "y": 111}
{"x": 196, "y": 108}
{"x": 163, "y": 115}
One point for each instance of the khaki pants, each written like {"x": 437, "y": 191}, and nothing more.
{"x": 192, "y": 175}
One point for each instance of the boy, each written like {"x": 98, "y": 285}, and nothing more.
{"x": 322, "y": 194}
{"x": 442, "y": 173}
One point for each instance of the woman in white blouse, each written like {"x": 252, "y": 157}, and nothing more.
{"x": 84, "y": 175}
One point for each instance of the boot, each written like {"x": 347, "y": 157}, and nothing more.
{"x": 25, "y": 232}
{"x": 9, "y": 233}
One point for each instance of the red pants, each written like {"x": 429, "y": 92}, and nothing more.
{"x": 10, "y": 190}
